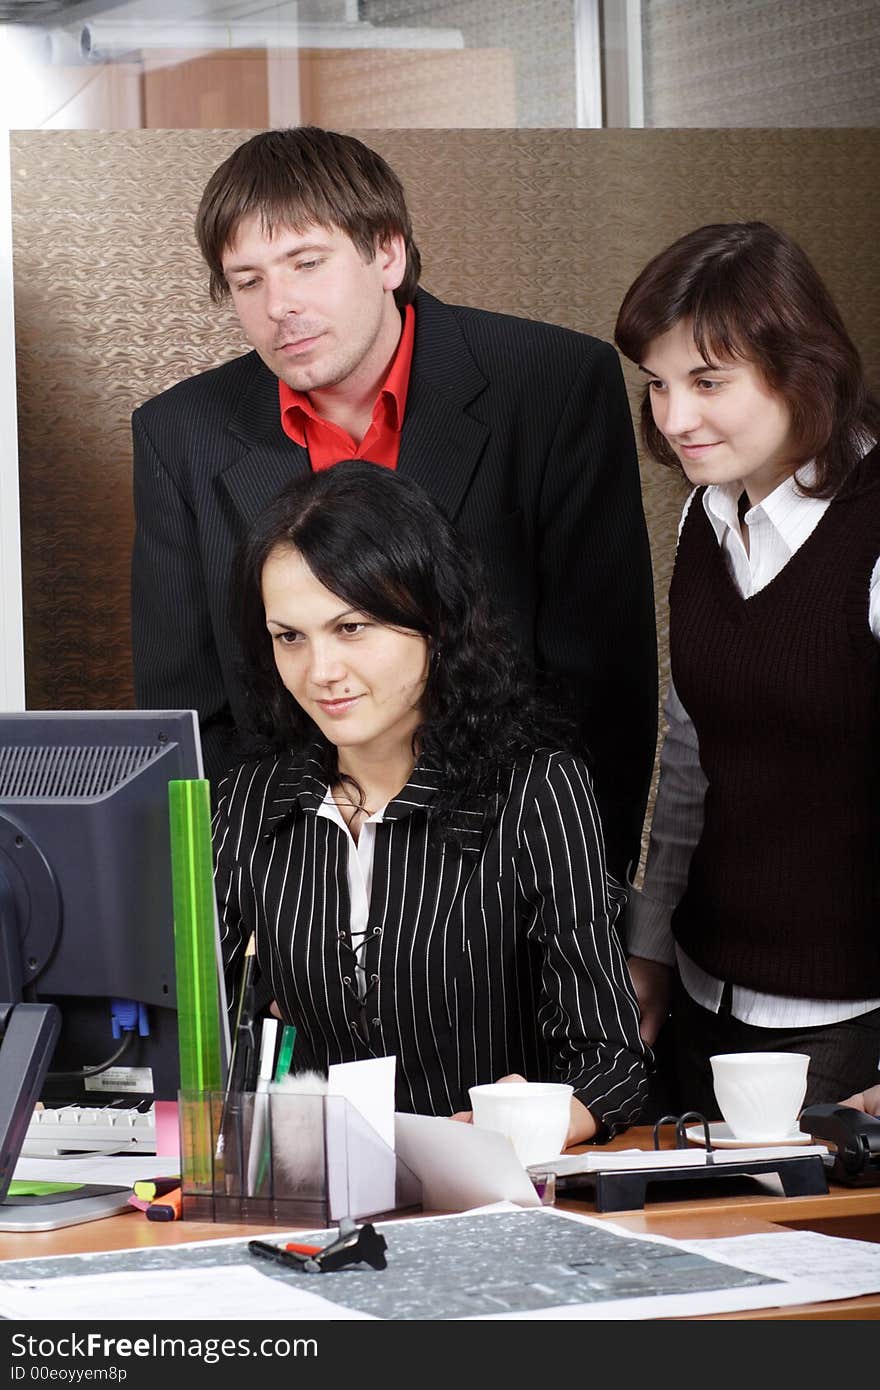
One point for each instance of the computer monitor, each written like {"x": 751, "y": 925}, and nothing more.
{"x": 86, "y": 913}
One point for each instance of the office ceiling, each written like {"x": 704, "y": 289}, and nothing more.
{"x": 50, "y": 11}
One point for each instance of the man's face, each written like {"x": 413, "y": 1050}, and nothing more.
{"x": 319, "y": 315}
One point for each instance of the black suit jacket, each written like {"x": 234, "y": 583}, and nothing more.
{"x": 521, "y": 431}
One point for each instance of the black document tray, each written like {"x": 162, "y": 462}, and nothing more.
{"x": 801, "y": 1176}
{"x": 625, "y": 1189}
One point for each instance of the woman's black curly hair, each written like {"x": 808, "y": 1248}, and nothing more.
{"x": 377, "y": 540}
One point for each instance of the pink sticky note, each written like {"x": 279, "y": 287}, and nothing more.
{"x": 167, "y": 1130}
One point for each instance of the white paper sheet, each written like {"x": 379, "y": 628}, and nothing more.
{"x": 172, "y": 1294}
{"x": 461, "y": 1166}
{"x": 362, "y": 1179}
{"x": 369, "y": 1087}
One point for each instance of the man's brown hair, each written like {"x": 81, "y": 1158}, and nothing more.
{"x": 750, "y": 292}
{"x": 301, "y": 177}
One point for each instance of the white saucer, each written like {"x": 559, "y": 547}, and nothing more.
{"x": 722, "y": 1138}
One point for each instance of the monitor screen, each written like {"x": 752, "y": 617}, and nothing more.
{"x": 86, "y": 916}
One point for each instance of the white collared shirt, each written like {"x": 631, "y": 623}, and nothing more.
{"x": 777, "y": 527}
{"x": 360, "y": 876}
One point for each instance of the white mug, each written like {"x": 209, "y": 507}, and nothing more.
{"x": 760, "y": 1093}
{"x": 535, "y": 1115}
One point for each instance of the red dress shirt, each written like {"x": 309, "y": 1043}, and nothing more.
{"x": 328, "y": 443}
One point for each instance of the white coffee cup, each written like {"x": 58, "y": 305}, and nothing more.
{"x": 760, "y": 1093}
{"x": 535, "y": 1115}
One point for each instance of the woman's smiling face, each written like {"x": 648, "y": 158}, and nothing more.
{"x": 723, "y": 421}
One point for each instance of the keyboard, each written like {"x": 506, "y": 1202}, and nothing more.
{"x": 73, "y": 1129}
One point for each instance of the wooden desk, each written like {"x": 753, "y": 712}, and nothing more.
{"x": 702, "y": 1218}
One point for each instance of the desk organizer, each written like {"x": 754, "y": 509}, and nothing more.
{"x": 279, "y": 1158}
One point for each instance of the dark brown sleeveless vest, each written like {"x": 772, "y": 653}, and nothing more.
{"x": 783, "y": 688}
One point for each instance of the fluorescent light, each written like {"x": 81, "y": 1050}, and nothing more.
{"x": 99, "y": 41}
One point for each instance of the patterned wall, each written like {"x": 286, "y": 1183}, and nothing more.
{"x": 539, "y": 40}
{"x": 761, "y": 62}
{"x": 112, "y": 306}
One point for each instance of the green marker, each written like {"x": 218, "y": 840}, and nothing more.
{"x": 285, "y": 1051}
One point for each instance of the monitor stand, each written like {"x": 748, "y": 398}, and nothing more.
{"x": 28, "y": 1034}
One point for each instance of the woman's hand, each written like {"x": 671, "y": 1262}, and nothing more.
{"x": 869, "y": 1101}
{"x": 467, "y": 1116}
{"x": 653, "y": 986}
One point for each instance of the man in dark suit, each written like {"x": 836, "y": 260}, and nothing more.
{"x": 521, "y": 432}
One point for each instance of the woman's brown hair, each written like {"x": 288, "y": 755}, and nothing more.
{"x": 750, "y": 292}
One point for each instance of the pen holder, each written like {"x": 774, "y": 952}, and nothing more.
{"x": 275, "y": 1157}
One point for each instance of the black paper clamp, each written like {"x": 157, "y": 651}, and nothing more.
{"x": 354, "y": 1245}
{"x": 681, "y": 1141}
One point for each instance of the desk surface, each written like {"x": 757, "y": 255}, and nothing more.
{"x": 842, "y": 1211}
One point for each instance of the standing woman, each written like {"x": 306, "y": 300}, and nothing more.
{"x": 762, "y": 886}
{"x": 424, "y": 875}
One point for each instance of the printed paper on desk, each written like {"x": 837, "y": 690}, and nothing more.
{"x": 460, "y": 1166}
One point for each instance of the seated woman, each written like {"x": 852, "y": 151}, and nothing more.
{"x": 762, "y": 884}
{"x": 424, "y": 877}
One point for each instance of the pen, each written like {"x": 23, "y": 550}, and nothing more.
{"x": 166, "y": 1210}
{"x": 285, "y": 1051}
{"x": 258, "y": 1161}
{"x": 267, "y": 1052}
{"x": 242, "y": 1055}
{"x": 266, "y": 1251}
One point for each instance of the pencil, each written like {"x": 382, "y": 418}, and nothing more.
{"x": 242, "y": 1055}
{"x": 241, "y": 1063}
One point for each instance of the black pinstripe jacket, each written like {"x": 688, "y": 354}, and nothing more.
{"x": 494, "y": 955}
{"x": 521, "y": 432}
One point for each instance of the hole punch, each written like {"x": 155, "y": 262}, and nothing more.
{"x": 353, "y": 1245}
